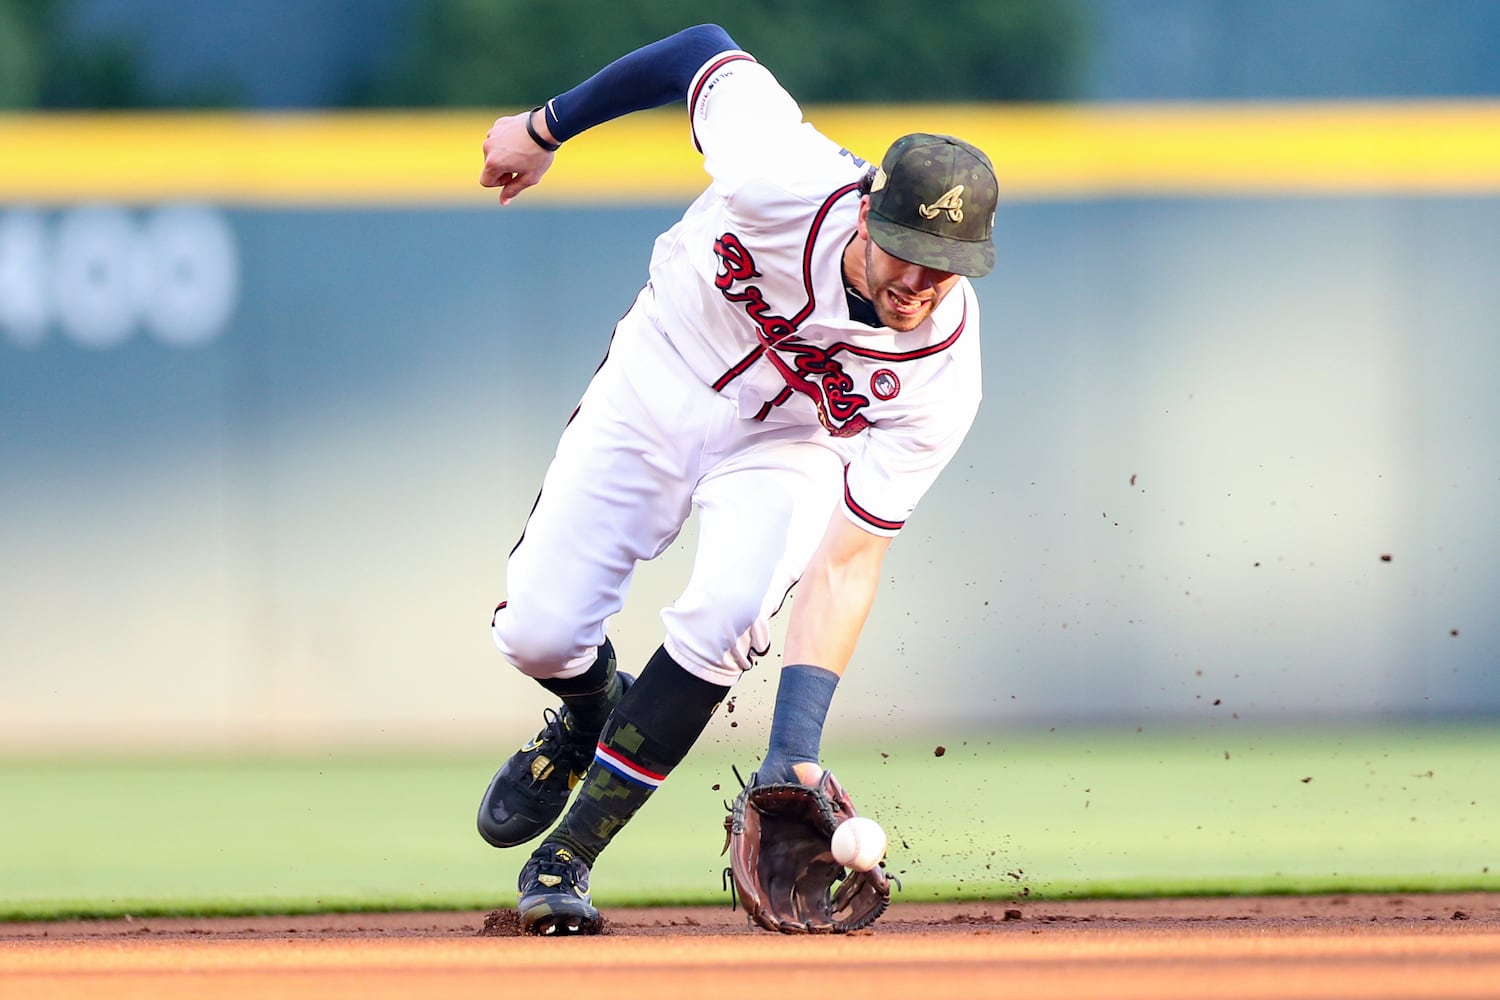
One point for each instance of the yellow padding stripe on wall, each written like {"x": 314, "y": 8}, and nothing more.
{"x": 1040, "y": 152}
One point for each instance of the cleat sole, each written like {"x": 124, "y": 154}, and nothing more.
{"x": 560, "y": 916}
{"x": 563, "y": 927}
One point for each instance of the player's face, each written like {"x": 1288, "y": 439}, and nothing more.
{"x": 904, "y": 294}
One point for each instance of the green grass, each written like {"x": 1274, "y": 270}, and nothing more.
{"x": 1085, "y": 812}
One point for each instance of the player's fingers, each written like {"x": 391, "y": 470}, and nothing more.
{"x": 496, "y": 178}
{"x": 496, "y": 172}
{"x": 504, "y": 185}
{"x": 499, "y": 157}
{"x": 514, "y": 186}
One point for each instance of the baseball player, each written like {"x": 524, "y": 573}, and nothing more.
{"x": 801, "y": 364}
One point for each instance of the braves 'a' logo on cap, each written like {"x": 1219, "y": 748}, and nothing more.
{"x": 951, "y": 202}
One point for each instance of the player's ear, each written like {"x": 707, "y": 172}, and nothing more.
{"x": 861, "y": 227}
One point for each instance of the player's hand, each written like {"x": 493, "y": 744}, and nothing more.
{"x": 513, "y": 161}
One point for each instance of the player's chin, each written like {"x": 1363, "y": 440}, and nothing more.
{"x": 902, "y": 312}
{"x": 903, "y": 320}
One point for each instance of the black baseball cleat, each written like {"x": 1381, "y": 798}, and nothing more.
{"x": 554, "y": 895}
{"x": 529, "y": 791}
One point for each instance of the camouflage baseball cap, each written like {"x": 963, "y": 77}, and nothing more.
{"x": 933, "y": 203}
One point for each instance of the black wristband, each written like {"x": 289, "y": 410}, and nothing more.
{"x": 536, "y": 136}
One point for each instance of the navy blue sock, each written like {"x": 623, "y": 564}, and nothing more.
{"x": 803, "y": 694}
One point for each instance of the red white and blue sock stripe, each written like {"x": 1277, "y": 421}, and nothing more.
{"x": 611, "y": 760}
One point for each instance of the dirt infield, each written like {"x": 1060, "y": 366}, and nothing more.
{"x": 1443, "y": 946}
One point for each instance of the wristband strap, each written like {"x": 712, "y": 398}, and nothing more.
{"x": 536, "y": 136}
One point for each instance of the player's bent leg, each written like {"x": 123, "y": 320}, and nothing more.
{"x": 760, "y": 519}
{"x": 657, "y": 721}
{"x": 601, "y": 512}
{"x": 648, "y": 734}
{"x": 529, "y": 791}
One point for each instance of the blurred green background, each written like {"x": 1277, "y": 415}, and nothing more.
{"x": 1039, "y": 815}
{"x": 418, "y": 53}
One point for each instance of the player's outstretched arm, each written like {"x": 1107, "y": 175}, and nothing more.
{"x": 649, "y": 77}
{"x": 832, "y": 601}
{"x": 834, "y": 596}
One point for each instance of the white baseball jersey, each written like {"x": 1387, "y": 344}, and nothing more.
{"x": 739, "y": 386}
{"x": 749, "y": 287}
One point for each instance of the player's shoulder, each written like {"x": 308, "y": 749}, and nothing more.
{"x": 747, "y": 125}
{"x": 724, "y": 77}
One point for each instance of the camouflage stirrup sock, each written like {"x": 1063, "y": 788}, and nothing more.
{"x": 592, "y": 695}
{"x": 803, "y": 694}
{"x": 656, "y": 723}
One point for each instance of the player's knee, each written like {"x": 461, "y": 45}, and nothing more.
{"x": 720, "y": 629}
{"x": 709, "y": 662}
{"x": 538, "y": 645}
{"x": 735, "y": 599}
{"x": 717, "y": 651}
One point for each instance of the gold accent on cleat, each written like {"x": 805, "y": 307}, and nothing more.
{"x": 541, "y": 767}
{"x": 550, "y": 881}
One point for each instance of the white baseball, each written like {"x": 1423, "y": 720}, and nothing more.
{"x": 858, "y": 843}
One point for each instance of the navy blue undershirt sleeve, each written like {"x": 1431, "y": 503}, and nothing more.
{"x": 649, "y": 77}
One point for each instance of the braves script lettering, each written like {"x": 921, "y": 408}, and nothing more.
{"x": 808, "y": 369}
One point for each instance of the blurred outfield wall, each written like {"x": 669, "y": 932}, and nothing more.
{"x": 276, "y": 394}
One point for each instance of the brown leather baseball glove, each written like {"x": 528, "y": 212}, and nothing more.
{"x": 777, "y": 838}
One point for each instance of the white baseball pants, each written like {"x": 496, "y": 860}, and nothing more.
{"x": 648, "y": 443}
